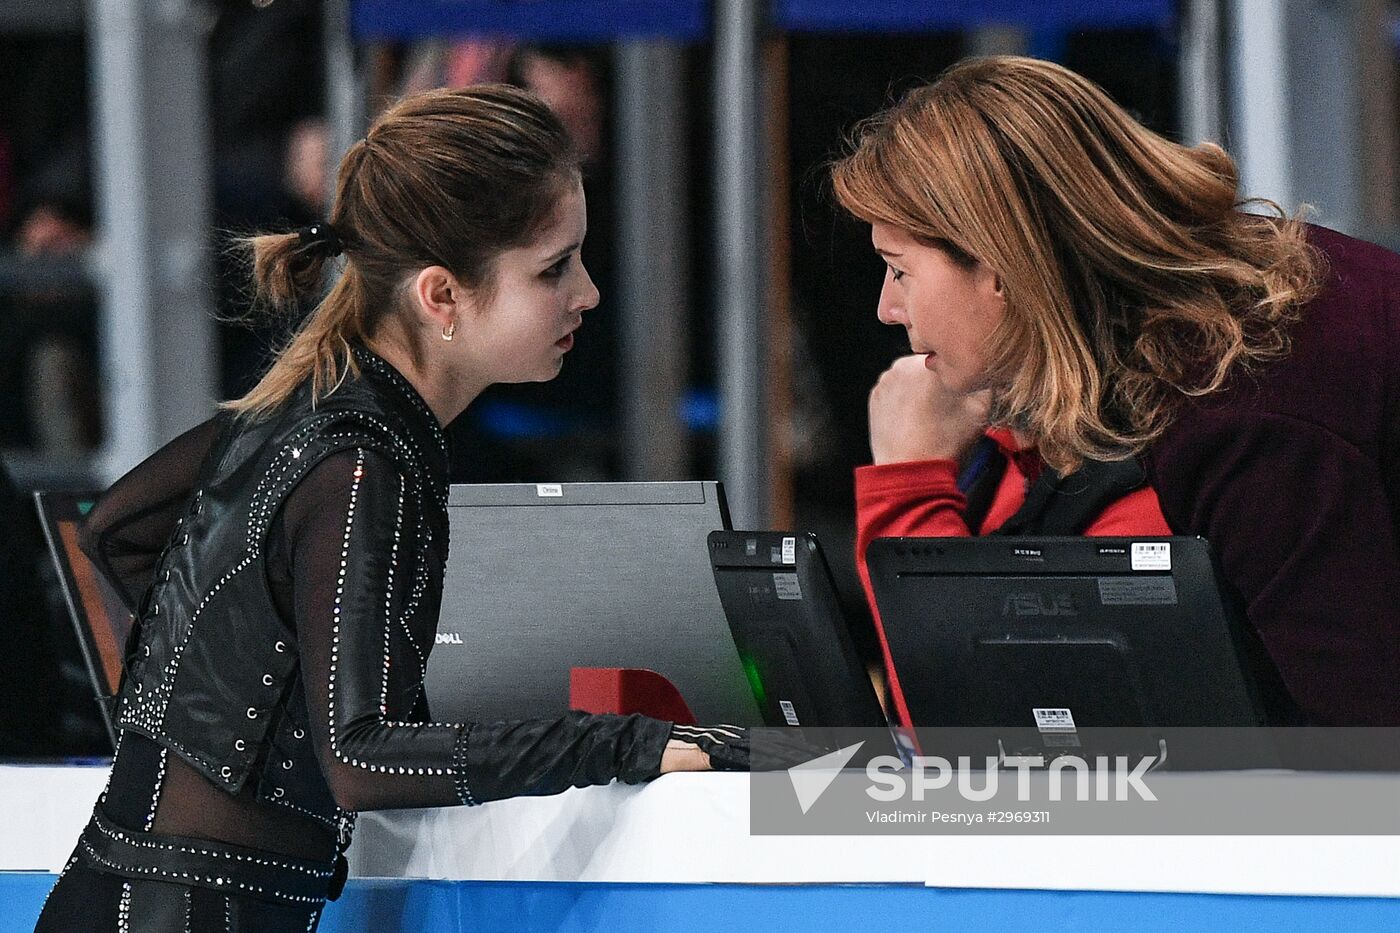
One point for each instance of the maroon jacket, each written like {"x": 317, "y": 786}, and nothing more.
{"x": 1293, "y": 475}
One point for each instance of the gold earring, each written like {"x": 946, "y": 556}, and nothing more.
{"x": 449, "y": 331}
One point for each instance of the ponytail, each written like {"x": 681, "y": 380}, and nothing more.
{"x": 286, "y": 268}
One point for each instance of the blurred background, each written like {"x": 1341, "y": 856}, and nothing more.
{"x": 736, "y": 337}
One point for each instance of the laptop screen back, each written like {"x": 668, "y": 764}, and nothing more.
{"x": 790, "y": 629}
{"x": 995, "y": 631}
{"x": 542, "y": 579}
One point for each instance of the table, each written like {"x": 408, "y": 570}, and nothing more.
{"x": 676, "y": 854}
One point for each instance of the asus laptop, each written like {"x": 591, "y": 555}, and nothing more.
{"x": 1040, "y": 644}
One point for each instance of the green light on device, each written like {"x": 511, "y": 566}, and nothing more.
{"x": 755, "y": 684}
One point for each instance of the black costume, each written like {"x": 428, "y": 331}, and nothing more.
{"x": 289, "y": 575}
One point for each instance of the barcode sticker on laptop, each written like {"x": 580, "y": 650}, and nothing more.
{"x": 789, "y": 712}
{"x": 785, "y": 585}
{"x": 1053, "y": 720}
{"x": 789, "y": 550}
{"x": 1152, "y": 555}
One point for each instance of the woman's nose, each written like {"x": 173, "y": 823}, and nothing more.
{"x": 889, "y": 310}
{"x": 589, "y": 296}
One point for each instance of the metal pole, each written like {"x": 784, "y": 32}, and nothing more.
{"x": 1379, "y": 171}
{"x": 1325, "y": 140}
{"x": 159, "y": 358}
{"x": 738, "y": 237}
{"x": 1202, "y": 85}
{"x": 651, "y": 244}
{"x": 1296, "y": 112}
{"x": 346, "y": 118}
{"x": 1261, "y": 128}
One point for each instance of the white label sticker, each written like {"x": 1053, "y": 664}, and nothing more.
{"x": 789, "y": 550}
{"x": 1137, "y": 591}
{"x": 1152, "y": 556}
{"x": 785, "y": 585}
{"x": 789, "y": 712}
{"x": 548, "y": 490}
{"x": 1053, "y": 720}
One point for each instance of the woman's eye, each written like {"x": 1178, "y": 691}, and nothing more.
{"x": 896, "y": 274}
{"x": 557, "y": 270}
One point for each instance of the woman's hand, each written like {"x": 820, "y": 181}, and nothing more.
{"x": 730, "y": 748}
{"x": 706, "y": 748}
{"x": 914, "y": 416}
{"x": 683, "y": 756}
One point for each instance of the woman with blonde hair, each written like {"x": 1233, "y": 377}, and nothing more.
{"x": 1105, "y": 344}
{"x": 285, "y": 560}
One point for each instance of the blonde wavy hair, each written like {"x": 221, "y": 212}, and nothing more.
{"x": 1132, "y": 279}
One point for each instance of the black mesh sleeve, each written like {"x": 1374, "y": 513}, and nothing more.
{"x": 131, "y": 522}
{"x": 350, "y": 527}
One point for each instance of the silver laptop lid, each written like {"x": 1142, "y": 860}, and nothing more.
{"x": 544, "y": 578}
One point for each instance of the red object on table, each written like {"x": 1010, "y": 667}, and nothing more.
{"x": 627, "y": 690}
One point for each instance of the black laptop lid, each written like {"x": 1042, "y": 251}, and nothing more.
{"x": 1054, "y": 634}
{"x": 545, "y": 578}
{"x": 792, "y": 636}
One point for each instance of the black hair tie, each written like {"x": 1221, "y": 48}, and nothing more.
{"x": 322, "y": 237}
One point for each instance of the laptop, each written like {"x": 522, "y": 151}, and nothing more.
{"x": 99, "y": 616}
{"x": 792, "y": 635}
{"x": 1036, "y": 645}
{"x": 795, "y": 642}
{"x": 545, "y": 578}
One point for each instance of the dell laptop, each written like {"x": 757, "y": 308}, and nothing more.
{"x": 545, "y": 578}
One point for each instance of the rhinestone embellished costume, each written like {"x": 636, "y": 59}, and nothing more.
{"x": 287, "y": 575}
